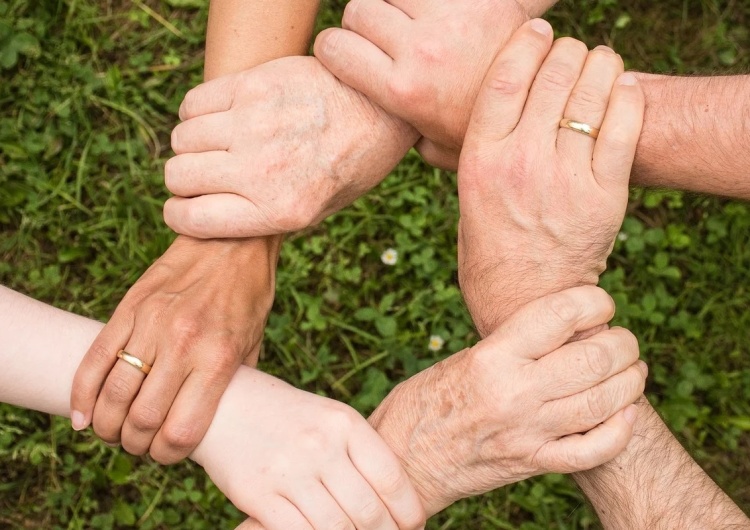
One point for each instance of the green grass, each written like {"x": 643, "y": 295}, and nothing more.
{"x": 88, "y": 95}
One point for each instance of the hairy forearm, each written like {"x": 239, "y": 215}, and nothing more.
{"x": 695, "y": 135}
{"x": 655, "y": 484}
{"x": 243, "y": 34}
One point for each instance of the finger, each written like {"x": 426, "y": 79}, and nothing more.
{"x": 250, "y": 524}
{"x": 380, "y": 23}
{"x": 413, "y": 8}
{"x": 589, "y": 101}
{"x": 545, "y": 324}
{"x": 220, "y": 215}
{"x": 96, "y": 365}
{"x": 152, "y": 404}
{"x": 210, "y": 132}
{"x": 552, "y": 88}
{"x": 580, "y": 452}
{"x": 212, "y": 96}
{"x": 437, "y": 155}
{"x": 357, "y": 498}
{"x": 381, "y": 468}
{"x": 501, "y": 100}
{"x": 119, "y": 391}
{"x": 585, "y": 410}
{"x": 194, "y": 174}
{"x": 615, "y": 148}
{"x": 279, "y": 513}
{"x": 358, "y": 63}
{"x": 578, "y": 366}
{"x": 191, "y": 413}
{"x": 320, "y": 509}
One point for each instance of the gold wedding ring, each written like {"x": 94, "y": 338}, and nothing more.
{"x": 580, "y": 127}
{"x": 134, "y": 361}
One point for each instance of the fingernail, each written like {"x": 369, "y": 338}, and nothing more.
{"x": 603, "y": 48}
{"x": 644, "y": 368}
{"x": 627, "y": 79}
{"x": 541, "y": 26}
{"x": 78, "y": 420}
{"x": 631, "y": 413}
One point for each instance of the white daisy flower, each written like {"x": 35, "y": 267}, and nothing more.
{"x": 436, "y": 343}
{"x": 389, "y": 257}
{"x": 622, "y": 236}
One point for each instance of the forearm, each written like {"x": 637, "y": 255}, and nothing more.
{"x": 243, "y": 34}
{"x": 655, "y": 483}
{"x": 695, "y": 135}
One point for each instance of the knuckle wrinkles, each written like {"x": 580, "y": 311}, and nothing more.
{"x": 557, "y": 76}
{"x": 372, "y": 513}
{"x": 118, "y": 390}
{"x": 597, "y": 405}
{"x": 563, "y": 309}
{"x": 146, "y": 418}
{"x": 598, "y": 359}
{"x": 589, "y": 98}
{"x": 102, "y": 354}
{"x": 181, "y": 436}
{"x": 504, "y": 85}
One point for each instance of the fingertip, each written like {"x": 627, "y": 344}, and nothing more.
{"x": 630, "y": 413}
{"x": 326, "y": 43}
{"x": 627, "y": 79}
{"x": 541, "y": 26}
{"x": 78, "y": 420}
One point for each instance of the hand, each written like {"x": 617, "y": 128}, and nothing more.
{"x": 194, "y": 316}
{"x": 294, "y": 460}
{"x": 421, "y": 60}
{"x": 516, "y": 404}
{"x": 276, "y": 149}
{"x": 540, "y": 205}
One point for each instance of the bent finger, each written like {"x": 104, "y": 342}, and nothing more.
{"x": 212, "y": 96}
{"x": 279, "y": 513}
{"x": 193, "y": 174}
{"x": 357, "y": 498}
{"x": 315, "y": 502}
{"x": 381, "y": 23}
{"x": 588, "y": 103}
{"x": 506, "y": 87}
{"x": 152, "y": 404}
{"x": 585, "y": 410}
{"x": 210, "y": 132}
{"x": 581, "y": 365}
{"x": 220, "y": 215}
{"x": 358, "y": 63}
{"x": 542, "y": 326}
{"x": 381, "y": 468}
{"x": 120, "y": 390}
{"x": 191, "y": 414}
{"x": 615, "y": 148}
{"x": 581, "y": 452}
{"x": 95, "y": 367}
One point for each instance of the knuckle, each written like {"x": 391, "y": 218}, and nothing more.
{"x": 598, "y": 359}
{"x": 557, "y": 76}
{"x": 402, "y": 89}
{"x": 563, "y": 309}
{"x": 176, "y": 140}
{"x": 430, "y": 51}
{"x": 188, "y": 103}
{"x": 101, "y": 354}
{"x": 185, "y": 328}
{"x": 181, "y": 436}
{"x": 351, "y": 17}
{"x": 371, "y": 513}
{"x": 502, "y": 84}
{"x": 118, "y": 390}
{"x": 598, "y": 405}
{"x": 342, "y": 524}
{"x": 588, "y": 97}
{"x": 145, "y": 418}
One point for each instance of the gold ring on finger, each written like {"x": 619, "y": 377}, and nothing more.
{"x": 132, "y": 360}
{"x": 580, "y": 127}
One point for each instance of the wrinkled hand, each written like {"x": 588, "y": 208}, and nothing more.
{"x": 540, "y": 205}
{"x": 520, "y": 403}
{"x": 421, "y": 60}
{"x": 276, "y": 149}
{"x": 294, "y": 460}
{"x": 194, "y": 316}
